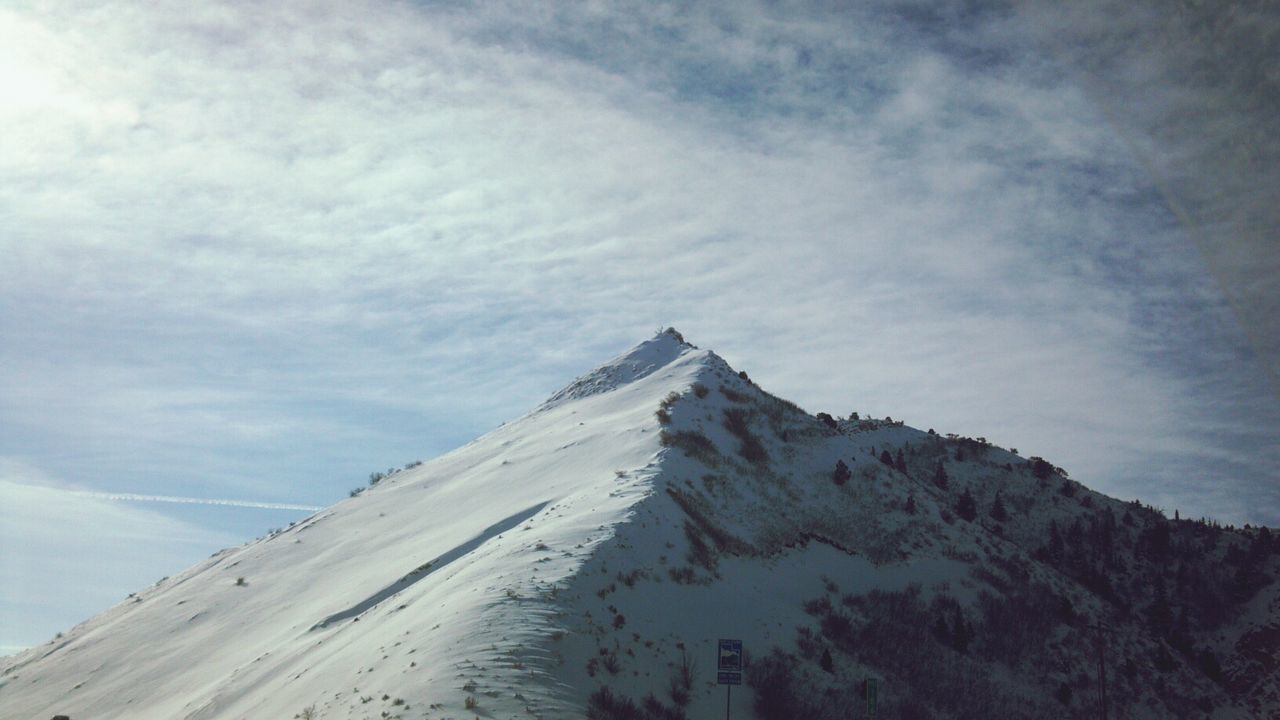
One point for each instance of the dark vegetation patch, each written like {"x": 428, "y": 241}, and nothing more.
{"x": 841, "y": 474}
{"x": 684, "y": 575}
{"x": 605, "y": 704}
{"x": 725, "y": 542}
{"x": 694, "y": 444}
{"x": 699, "y": 552}
{"x": 738, "y": 422}
{"x": 712, "y": 482}
{"x": 784, "y": 416}
{"x": 900, "y": 635}
{"x": 664, "y": 408}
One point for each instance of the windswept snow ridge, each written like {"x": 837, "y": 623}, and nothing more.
{"x": 423, "y": 571}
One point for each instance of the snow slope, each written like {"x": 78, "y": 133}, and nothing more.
{"x": 439, "y": 575}
{"x": 608, "y": 539}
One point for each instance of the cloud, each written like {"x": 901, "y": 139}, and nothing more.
{"x": 69, "y": 555}
{"x": 259, "y": 251}
{"x": 1187, "y": 86}
{"x": 133, "y": 497}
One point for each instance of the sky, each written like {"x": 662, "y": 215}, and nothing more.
{"x": 252, "y": 252}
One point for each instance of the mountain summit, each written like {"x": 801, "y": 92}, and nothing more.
{"x": 641, "y": 361}
{"x": 585, "y": 560}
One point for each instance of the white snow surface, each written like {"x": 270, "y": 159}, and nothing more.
{"x": 438, "y": 577}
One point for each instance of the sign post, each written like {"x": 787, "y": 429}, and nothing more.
{"x": 728, "y": 668}
{"x": 871, "y": 689}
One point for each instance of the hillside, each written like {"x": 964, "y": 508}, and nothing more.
{"x": 584, "y": 559}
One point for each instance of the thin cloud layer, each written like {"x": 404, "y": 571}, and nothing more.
{"x": 68, "y": 556}
{"x": 1189, "y": 87}
{"x": 222, "y": 502}
{"x": 260, "y": 251}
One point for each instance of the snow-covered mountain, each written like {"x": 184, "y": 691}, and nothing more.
{"x": 585, "y": 559}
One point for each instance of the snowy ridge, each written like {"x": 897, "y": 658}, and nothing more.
{"x": 275, "y": 626}
{"x": 590, "y": 554}
{"x": 640, "y": 362}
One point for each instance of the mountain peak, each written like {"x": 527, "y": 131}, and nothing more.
{"x": 643, "y": 360}
{"x": 576, "y": 560}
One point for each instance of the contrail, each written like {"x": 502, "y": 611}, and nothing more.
{"x": 130, "y": 497}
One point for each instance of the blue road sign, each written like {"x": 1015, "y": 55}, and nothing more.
{"x": 729, "y": 657}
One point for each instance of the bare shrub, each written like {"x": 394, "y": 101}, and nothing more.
{"x": 693, "y": 443}
{"x": 738, "y": 422}
{"x": 682, "y": 679}
{"x": 778, "y": 693}
{"x": 604, "y": 705}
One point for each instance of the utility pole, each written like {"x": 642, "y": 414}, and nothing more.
{"x": 1102, "y": 666}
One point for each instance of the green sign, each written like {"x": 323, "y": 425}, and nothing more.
{"x": 872, "y": 689}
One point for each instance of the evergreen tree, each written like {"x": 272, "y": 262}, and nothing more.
{"x": 1106, "y": 538}
{"x": 841, "y": 474}
{"x": 1156, "y": 541}
{"x": 1040, "y": 467}
{"x": 1180, "y": 636}
{"x": 900, "y": 463}
{"x": 1209, "y": 665}
{"x": 1159, "y": 614}
{"x": 1066, "y": 610}
{"x": 1247, "y": 579}
{"x": 1163, "y": 661}
{"x": 886, "y": 458}
{"x": 911, "y": 504}
{"x": 961, "y": 633}
{"x": 998, "y": 512}
{"x": 826, "y": 662}
{"x": 1266, "y": 541}
{"x": 1055, "y": 549}
{"x": 940, "y": 476}
{"x": 966, "y": 507}
{"x": 1262, "y": 544}
{"x": 940, "y": 629}
{"x": 1075, "y": 536}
